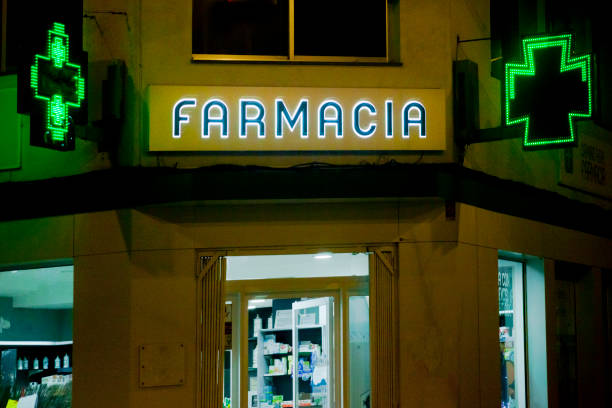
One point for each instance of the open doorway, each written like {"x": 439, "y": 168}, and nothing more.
{"x": 297, "y": 331}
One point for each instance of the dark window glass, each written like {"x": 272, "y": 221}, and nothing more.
{"x": 2, "y": 39}
{"x": 243, "y": 27}
{"x": 351, "y": 28}
{"x": 9, "y": 30}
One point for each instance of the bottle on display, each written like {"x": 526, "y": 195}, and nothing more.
{"x": 35, "y": 364}
{"x": 25, "y": 363}
{"x": 57, "y": 362}
{"x": 66, "y": 361}
{"x": 20, "y": 364}
{"x": 256, "y": 325}
{"x": 45, "y": 363}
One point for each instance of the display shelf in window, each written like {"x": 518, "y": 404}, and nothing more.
{"x": 310, "y": 326}
{"x": 279, "y": 329}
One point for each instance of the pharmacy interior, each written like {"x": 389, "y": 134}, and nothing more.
{"x": 289, "y": 318}
{"x": 36, "y": 336}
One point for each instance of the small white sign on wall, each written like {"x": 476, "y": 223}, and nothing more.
{"x": 588, "y": 167}
{"x": 162, "y": 364}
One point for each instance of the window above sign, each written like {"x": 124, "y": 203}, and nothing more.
{"x": 290, "y": 30}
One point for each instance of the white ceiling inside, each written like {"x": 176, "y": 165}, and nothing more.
{"x": 43, "y": 288}
{"x": 296, "y": 266}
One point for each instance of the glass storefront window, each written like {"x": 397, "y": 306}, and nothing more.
{"x": 285, "y": 334}
{"x": 227, "y": 357}
{"x": 36, "y": 337}
{"x": 281, "y": 28}
{"x": 292, "y": 355}
{"x": 510, "y": 278}
{"x": 359, "y": 351}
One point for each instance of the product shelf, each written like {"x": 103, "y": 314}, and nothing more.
{"x": 280, "y": 329}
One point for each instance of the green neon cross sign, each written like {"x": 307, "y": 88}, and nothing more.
{"x": 58, "y": 83}
{"x": 548, "y": 91}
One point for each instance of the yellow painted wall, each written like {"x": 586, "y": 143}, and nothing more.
{"x": 448, "y": 325}
{"x": 425, "y": 43}
{"x": 134, "y": 268}
{"x": 154, "y": 40}
{"x": 135, "y": 284}
{"x": 425, "y": 53}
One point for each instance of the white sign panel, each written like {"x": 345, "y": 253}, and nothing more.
{"x": 184, "y": 118}
{"x": 588, "y": 167}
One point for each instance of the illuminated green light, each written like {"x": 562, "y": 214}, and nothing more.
{"x": 58, "y": 52}
{"x": 528, "y": 69}
{"x": 69, "y": 74}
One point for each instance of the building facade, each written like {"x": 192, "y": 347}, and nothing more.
{"x": 487, "y": 265}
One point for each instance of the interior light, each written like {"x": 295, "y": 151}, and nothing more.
{"x": 251, "y": 307}
{"x": 257, "y": 301}
{"x": 228, "y": 302}
{"x": 323, "y": 255}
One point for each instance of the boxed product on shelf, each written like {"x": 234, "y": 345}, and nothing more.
{"x": 268, "y": 343}
{"x": 271, "y": 347}
{"x": 253, "y": 399}
{"x": 307, "y": 347}
{"x": 56, "y": 379}
{"x": 304, "y": 346}
{"x": 252, "y": 383}
{"x": 304, "y": 369}
{"x": 279, "y": 366}
{"x": 307, "y": 319}
{"x": 268, "y": 392}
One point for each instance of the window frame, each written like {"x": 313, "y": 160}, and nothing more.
{"x": 240, "y": 291}
{"x": 292, "y": 57}
{"x": 337, "y": 287}
{"x": 364, "y": 290}
{"x": 523, "y": 295}
{"x": 248, "y": 293}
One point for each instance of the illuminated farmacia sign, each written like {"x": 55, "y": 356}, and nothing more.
{"x": 330, "y": 113}
{"x": 294, "y": 119}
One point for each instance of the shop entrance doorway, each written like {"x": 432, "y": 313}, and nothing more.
{"x": 296, "y": 328}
